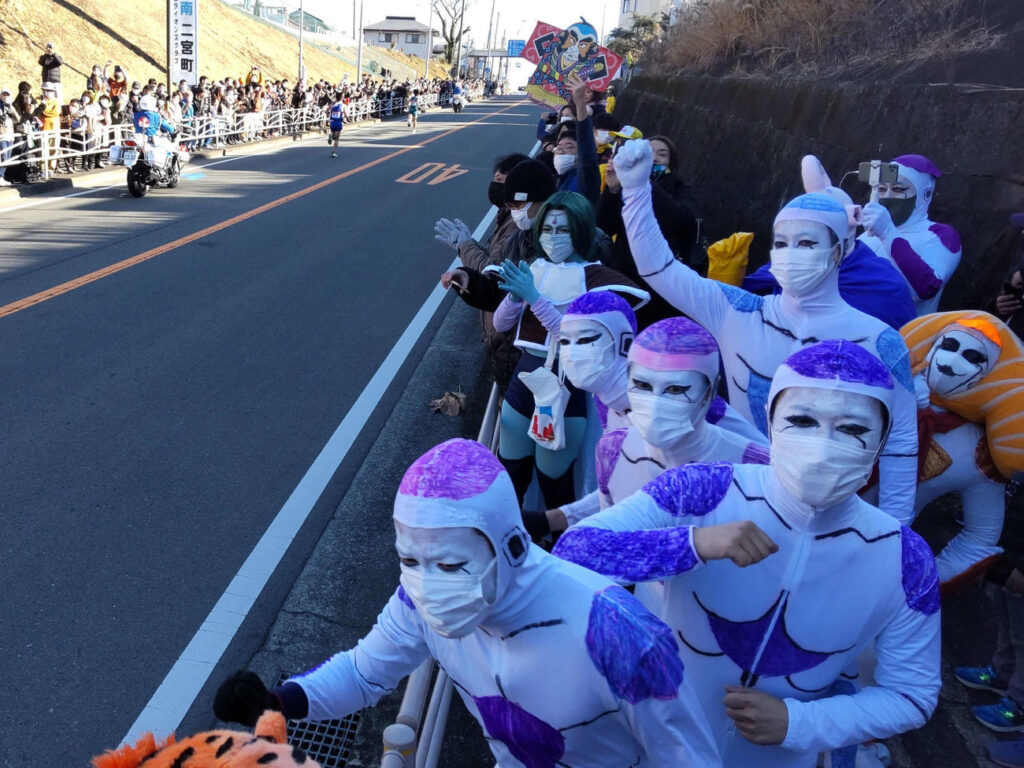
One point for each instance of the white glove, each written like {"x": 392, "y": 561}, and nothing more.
{"x": 877, "y": 222}
{"x": 922, "y": 391}
{"x": 633, "y": 163}
{"x": 451, "y": 233}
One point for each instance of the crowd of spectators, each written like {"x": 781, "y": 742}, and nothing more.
{"x": 77, "y": 126}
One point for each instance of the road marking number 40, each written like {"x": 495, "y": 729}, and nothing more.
{"x": 443, "y": 173}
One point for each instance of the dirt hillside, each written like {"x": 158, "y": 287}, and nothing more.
{"x": 133, "y": 34}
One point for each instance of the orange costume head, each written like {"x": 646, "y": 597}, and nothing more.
{"x": 974, "y": 365}
{"x": 267, "y": 745}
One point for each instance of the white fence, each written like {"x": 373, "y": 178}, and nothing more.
{"x": 47, "y": 151}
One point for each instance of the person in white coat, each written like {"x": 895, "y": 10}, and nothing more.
{"x": 822, "y": 574}
{"x": 756, "y": 334}
{"x": 897, "y": 228}
{"x": 560, "y": 666}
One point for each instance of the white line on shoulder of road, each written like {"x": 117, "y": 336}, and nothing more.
{"x": 179, "y": 689}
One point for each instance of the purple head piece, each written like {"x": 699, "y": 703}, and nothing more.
{"x": 456, "y": 469}
{"x": 840, "y": 360}
{"x": 837, "y": 365}
{"x": 676, "y": 344}
{"x": 919, "y": 163}
{"x": 602, "y": 303}
{"x": 460, "y": 484}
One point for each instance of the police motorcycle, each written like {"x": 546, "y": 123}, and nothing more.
{"x": 151, "y": 156}
{"x": 457, "y": 99}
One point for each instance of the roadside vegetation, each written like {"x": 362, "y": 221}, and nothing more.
{"x": 814, "y": 37}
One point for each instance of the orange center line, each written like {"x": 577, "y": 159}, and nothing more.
{"x": 99, "y": 274}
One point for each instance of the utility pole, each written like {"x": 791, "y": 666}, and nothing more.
{"x": 430, "y": 38}
{"x": 355, "y": 4}
{"x": 504, "y": 47}
{"x": 490, "y": 29}
{"x": 302, "y": 27}
{"x": 458, "y": 47}
{"x": 497, "y": 26}
{"x": 359, "y": 56}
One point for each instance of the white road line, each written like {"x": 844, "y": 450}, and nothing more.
{"x": 179, "y": 689}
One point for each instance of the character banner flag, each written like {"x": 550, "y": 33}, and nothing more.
{"x": 560, "y": 52}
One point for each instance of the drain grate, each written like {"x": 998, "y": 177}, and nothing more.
{"x": 326, "y": 741}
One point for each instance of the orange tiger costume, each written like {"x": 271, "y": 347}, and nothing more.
{"x": 266, "y": 746}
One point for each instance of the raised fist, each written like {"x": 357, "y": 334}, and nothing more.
{"x": 633, "y": 163}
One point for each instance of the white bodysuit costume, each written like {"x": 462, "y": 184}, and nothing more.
{"x": 560, "y": 666}
{"x": 756, "y": 334}
{"x": 845, "y": 576}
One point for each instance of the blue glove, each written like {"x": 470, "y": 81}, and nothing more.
{"x": 518, "y": 280}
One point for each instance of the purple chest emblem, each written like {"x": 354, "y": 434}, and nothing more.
{"x": 531, "y": 741}
{"x": 763, "y": 642}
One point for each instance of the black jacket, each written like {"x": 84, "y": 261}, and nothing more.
{"x": 677, "y": 211}
{"x": 51, "y": 64}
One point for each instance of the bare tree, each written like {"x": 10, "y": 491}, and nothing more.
{"x": 450, "y": 12}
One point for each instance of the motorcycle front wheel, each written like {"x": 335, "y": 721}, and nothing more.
{"x": 137, "y": 182}
{"x": 175, "y": 176}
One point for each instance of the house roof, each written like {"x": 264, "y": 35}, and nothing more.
{"x": 397, "y": 24}
{"x": 295, "y": 15}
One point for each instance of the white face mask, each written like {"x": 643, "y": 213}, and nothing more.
{"x": 521, "y": 216}
{"x": 586, "y": 365}
{"x": 819, "y": 471}
{"x": 801, "y": 270}
{"x": 555, "y": 237}
{"x": 602, "y": 137}
{"x": 558, "y": 247}
{"x": 661, "y": 422}
{"x": 824, "y": 443}
{"x": 452, "y": 604}
{"x": 957, "y": 361}
{"x": 565, "y": 119}
{"x": 669, "y": 406}
{"x": 564, "y": 163}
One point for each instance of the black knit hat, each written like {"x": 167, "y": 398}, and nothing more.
{"x": 530, "y": 182}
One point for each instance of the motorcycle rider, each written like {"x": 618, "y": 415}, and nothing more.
{"x": 148, "y": 120}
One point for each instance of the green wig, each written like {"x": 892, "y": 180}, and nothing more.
{"x": 582, "y": 225}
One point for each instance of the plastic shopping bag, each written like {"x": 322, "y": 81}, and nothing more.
{"x": 550, "y": 397}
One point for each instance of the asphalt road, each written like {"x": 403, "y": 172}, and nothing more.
{"x": 155, "y": 419}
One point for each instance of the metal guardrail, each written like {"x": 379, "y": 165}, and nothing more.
{"x": 46, "y": 149}
{"x": 411, "y": 742}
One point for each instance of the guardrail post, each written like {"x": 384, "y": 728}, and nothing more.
{"x": 399, "y": 746}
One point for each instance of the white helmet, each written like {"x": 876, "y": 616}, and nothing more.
{"x": 147, "y": 103}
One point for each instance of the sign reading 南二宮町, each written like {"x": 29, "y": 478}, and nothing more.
{"x": 183, "y": 41}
